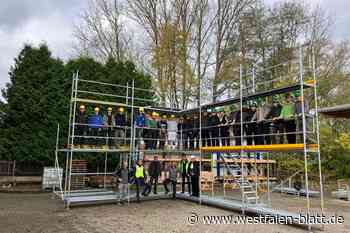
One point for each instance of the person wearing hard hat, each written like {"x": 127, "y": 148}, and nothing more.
{"x": 187, "y": 132}
{"x": 298, "y": 113}
{"x": 204, "y": 130}
{"x": 194, "y": 143}
{"x": 214, "y": 128}
{"x": 140, "y": 124}
{"x": 172, "y": 131}
{"x": 194, "y": 172}
{"x": 80, "y": 127}
{"x": 180, "y": 133}
{"x": 120, "y": 124}
{"x": 163, "y": 125}
{"x": 95, "y": 122}
{"x": 287, "y": 120}
{"x": 109, "y": 123}
{"x": 274, "y": 113}
{"x": 153, "y": 131}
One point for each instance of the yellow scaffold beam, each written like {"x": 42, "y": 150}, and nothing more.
{"x": 261, "y": 148}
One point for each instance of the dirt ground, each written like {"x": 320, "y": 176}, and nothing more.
{"x": 40, "y": 213}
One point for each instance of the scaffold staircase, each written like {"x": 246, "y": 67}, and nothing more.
{"x": 249, "y": 192}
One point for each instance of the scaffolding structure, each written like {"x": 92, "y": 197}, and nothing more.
{"x": 233, "y": 158}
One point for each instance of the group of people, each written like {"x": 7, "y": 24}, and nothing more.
{"x": 147, "y": 176}
{"x": 96, "y": 129}
{"x": 264, "y": 121}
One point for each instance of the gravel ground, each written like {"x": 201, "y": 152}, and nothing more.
{"x": 39, "y": 213}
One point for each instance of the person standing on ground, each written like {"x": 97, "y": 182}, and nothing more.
{"x": 123, "y": 178}
{"x": 194, "y": 172}
{"x": 171, "y": 178}
{"x": 154, "y": 173}
{"x": 183, "y": 170}
{"x": 140, "y": 177}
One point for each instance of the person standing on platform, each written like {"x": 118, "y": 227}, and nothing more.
{"x": 260, "y": 117}
{"x": 183, "y": 170}
{"x": 287, "y": 121}
{"x": 172, "y": 131}
{"x": 140, "y": 124}
{"x": 171, "y": 178}
{"x": 140, "y": 177}
{"x": 153, "y": 131}
{"x": 154, "y": 173}
{"x": 205, "y": 135}
{"x": 187, "y": 132}
{"x": 298, "y": 114}
{"x": 194, "y": 172}
{"x": 272, "y": 116}
{"x": 194, "y": 143}
{"x": 109, "y": 123}
{"x": 224, "y": 129}
{"x": 214, "y": 129}
{"x": 95, "y": 122}
{"x": 120, "y": 122}
{"x": 180, "y": 133}
{"x": 163, "y": 125}
{"x": 80, "y": 127}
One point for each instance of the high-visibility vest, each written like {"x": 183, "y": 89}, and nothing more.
{"x": 139, "y": 171}
{"x": 181, "y": 164}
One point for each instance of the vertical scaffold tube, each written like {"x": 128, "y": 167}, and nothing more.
{"x": 132, "y": 127}
{"x": 301, "y": 70}
{"x": 69, "y": 133}
{"x": 73, "y": 134}
{"x": 317, "y": 130}
{"x": 242, "y": 141}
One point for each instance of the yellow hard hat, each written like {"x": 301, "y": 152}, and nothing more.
{"x": 109, "y": 109}
{"x": 121, "y": 109}
{"x": 97, "y": 109}
{"x": 172, "y": 116}
{"x": 164, "y": 116}
{"x": 141, "y": 109}
{"x": 154, "y": 114}
{"x": 81, "y": 107}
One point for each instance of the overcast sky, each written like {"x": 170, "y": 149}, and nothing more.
{"x": 51, "y": 21}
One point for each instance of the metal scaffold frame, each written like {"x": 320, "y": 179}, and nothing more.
{"x": 245, "y": 95}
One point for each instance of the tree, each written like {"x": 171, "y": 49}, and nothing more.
{"x": 36, "y": 101}
{"x": 101, "y": 32}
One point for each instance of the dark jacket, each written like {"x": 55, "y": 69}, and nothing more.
{"x": 275, "y": 111}
{"x": 298, "y": 107}
{"x": 120, "y": 119}
{"x": 154, "y": 169}
{"x": 193, "y": 169}
{"x": 81, "y": 118}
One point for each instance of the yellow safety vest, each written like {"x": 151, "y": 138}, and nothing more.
{"x": 139, "y": 171}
